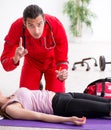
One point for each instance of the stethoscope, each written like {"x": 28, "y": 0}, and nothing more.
{"x": 45, "y": 43}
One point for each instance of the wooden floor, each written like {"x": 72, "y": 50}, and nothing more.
{"x": 80, "y": 78}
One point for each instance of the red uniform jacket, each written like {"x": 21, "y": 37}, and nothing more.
{"x": 37, "y": 51}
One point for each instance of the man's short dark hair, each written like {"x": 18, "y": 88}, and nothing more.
{"x": 32, "y": 11}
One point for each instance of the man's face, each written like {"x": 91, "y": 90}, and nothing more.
{"x": 35, "y": 26}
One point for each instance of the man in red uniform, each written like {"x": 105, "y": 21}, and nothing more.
{"x": 42, "y": 41}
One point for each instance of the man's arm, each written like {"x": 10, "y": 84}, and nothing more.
{"x": 11, "y": 56}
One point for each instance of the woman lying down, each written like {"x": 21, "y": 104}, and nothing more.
{"x": 48, "y": 106}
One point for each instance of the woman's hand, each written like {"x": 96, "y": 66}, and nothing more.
{"x": 20, "y": 52}
{"x": 78, "y": 121}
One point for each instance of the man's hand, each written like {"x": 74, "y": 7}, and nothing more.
{"x": 62, "y": 74}
{"x": 19, "y": 52}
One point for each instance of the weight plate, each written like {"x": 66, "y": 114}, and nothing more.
{"x": 102, "y": 63}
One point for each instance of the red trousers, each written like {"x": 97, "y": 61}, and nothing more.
{"x": 33, "y": 71}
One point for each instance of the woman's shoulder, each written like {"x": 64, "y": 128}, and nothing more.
{"x": 22, "y": 89}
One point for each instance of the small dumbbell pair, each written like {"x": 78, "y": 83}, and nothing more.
{"x": 83, "y": 62}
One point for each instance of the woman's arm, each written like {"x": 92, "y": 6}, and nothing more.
{"x": 16, "y": 111}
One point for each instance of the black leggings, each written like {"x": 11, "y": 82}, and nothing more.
{"x": 80, "y": 104}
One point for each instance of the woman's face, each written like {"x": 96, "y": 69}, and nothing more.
{"x": 35, "y": 26}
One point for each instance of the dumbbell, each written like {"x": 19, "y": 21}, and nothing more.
{"x": 102, "y": 63}
{"x": 82, "y": 63}
{"x": 89, "y": 58}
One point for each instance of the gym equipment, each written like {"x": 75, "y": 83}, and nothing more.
{"x": 89, "y": 58}
{"x": 102, "y": 63}
{"x": 82, "y": 63}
